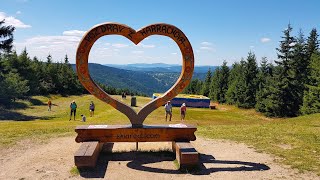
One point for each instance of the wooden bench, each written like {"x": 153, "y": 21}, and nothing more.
{"x": 87, "y": 155}
{"x": 186, "y": 154}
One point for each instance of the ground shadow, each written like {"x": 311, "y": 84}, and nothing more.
{"x": 140, "y": 161}
{"x": 36, "y": 102}
{"x": 10, "y": 115}
{"x": 15, "y": 105}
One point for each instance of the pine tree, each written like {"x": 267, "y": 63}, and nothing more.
{"x": 219, "y": 84}
{"x": 282, "y": 101}
{"x": 6, "y": 37}
{"x": 235, "y": 91}
{"x": 311, "y": 99}
{"x": 250, "y": 85}
{"x": 312, "y": 42}
{"x": 206, "y": 85}
{"x": 214, "y": 92}
{"x": 263, "y": 82}
{"x": 223, "y": 82}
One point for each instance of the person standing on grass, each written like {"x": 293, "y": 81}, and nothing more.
{"x": 49, "y": 105}
{"x": 168, "y": 109}
{"x": 91, "y": 108}
{"x": 73, "y": 110}
{"x": 183, "y": 110}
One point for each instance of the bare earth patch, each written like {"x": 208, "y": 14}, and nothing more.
{"x": 219, "y": 160}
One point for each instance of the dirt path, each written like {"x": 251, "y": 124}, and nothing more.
{"x": 220, "y": 159}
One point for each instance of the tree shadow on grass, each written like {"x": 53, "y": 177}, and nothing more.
{"x": 140, "y": 160}
{"x": 36, "y": 102}
{"x": 9, "y": 115}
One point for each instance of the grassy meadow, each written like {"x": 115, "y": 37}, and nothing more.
{"x": 295, "y": 141}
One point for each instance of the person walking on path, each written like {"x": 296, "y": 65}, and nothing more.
{"x": 91, "y": 108}
{"x": 168, "y": 109}
{"x": 49, "y": 105}
{"x": 73, "y": 110}
{"x": 183, "y": 110}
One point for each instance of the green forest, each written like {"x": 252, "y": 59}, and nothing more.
{"x": 286, "y": 88}
{"x": 22, "y": 77}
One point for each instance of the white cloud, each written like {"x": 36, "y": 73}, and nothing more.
{"x": 10, "y": 20}
{"x": 251, "y": 47}
{"x": 146, "y": 45}
{"x": 137, "y": 52}
{"x": 57, "y": 46}
{"x": 206, "y": 48}
{"x": 265, "y": 40}
{"x": 73, "y": 33}
{"x": 118, "y": 45}
{"x": 206, "y": 43}
{"x": 18, "y": 12}
{"x": 174, "y": 53}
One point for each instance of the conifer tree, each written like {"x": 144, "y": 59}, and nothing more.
{"x": 6, "y": 37}
{"x": 250, "y": 84}
{"x": 263, "y": 82}
{"x": 281, "y": 101}
{"x": 206, "y": 85}
{"x": 219, "y": 83}
{"x": 311, "y": 99}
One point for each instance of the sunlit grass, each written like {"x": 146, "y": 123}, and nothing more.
{"x": 296, "y": 140}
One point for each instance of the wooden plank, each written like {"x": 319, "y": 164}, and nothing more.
{"x": 186, "y": 154}
{"x": 127, "y": 133}
{"x": 87, "y": 154}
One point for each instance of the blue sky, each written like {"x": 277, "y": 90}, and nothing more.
{"x": 218, "y": 30}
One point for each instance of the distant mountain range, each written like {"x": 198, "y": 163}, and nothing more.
{"x": 159, "y": 67}
{"x": 145, "y": 78}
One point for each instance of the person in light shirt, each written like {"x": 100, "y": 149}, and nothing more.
{"x": 168, "y": 109}
{"x": 183, "y": 110}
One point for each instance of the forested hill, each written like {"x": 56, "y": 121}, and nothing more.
{"x": 145, "y": 82}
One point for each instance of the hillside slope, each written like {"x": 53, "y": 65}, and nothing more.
{"x": 144, "y": 82}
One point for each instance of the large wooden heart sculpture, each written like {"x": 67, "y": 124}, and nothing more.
{"x": 168, "y": 30}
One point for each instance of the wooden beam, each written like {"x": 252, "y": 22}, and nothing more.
{"x": 87, "y": 154}
{"x": 186, "y": 154}
{"x": 127, "y": 133}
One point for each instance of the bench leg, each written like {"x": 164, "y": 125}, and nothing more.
{"x": 87, "y": 155}
{"x": 186, "y": 154}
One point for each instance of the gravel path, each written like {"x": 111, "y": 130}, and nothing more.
{"x": 220, "y": 160}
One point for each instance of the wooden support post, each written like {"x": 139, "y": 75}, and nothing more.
{"x": 87, "y": 155}
{"x": 186, "y": 154}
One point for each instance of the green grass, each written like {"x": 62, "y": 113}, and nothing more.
{"x": 74, "y": 171}
{"x": 295, "y": 140}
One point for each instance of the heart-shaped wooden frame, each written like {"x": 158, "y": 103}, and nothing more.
{"x": 108, "y": 28}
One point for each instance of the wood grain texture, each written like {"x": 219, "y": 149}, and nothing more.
{"x": 186, "y": 154}
{"x": 127, "y": 133}
{"x": 87, "y": 154}
{"x": 136, "y": 37}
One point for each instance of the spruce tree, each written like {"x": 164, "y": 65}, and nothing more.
{"x": 312, "y": 42}
{"x": 219, "y": 83}
{"x": 6, "y": 37}
{"x": 250, "y": 85}
{"x": 311, "y": 99}
{"x": 223, "y": 84}
{"x": 263, "y": 82}
{"x": 282, "y": 101}
{"x": 206, "y": 85}
{"x": 214, "y": 85}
